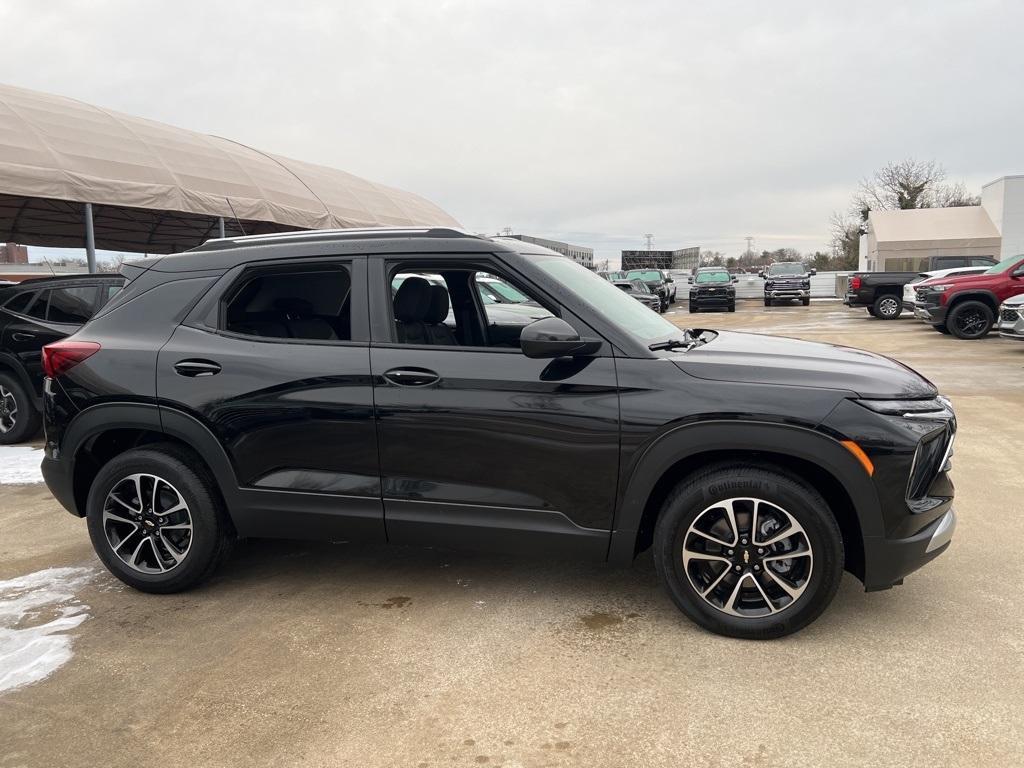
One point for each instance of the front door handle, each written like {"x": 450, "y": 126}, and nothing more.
{"x": 411, "y": 377}
{"x": 22, "y": 336}
{"x": 195, "y": 368}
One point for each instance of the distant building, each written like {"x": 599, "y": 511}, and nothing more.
{"x": 900, "y": 241}
{"x": 681, "y": 259}
{"x": 12, "y": 253}
{"x": 578, "y": 253}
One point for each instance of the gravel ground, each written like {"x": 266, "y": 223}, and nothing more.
{"x": 336, "y": 655}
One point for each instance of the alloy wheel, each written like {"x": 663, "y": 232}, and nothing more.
{"x": 147, "y": 523}
{"x": 747, "y": 557}
{"x": 972, "y": 322}
{"x": 8, "y": 410}
{"x": 888, "y": 307}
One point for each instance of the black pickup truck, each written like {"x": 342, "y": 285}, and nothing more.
{"x": 882, "y": 292}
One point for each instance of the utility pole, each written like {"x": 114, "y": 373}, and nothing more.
{"x": 649, "y": 238}
{"x": 750, "y": 246}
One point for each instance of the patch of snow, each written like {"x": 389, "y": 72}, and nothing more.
{"x": 19, "y": 464}
{"x": 36, "y": 612}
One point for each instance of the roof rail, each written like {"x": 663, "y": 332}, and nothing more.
{"x": 334, "y": 234}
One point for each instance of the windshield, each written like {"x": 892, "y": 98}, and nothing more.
{"x": 1004, "y": 265}
{"x": 607, "y": 300}
{"x": 644, "y": 274}
{"x": 785, "y": 269}
{"x": 713, "y": 277}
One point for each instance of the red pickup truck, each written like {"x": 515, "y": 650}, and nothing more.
{"x": 967, "y": 306}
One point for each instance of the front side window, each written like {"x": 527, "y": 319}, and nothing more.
{"x": 20, "y": 302}
{"x": 299, "y": 304}
{"x": 453, "y": 307}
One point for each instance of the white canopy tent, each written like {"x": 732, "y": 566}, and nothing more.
{"x": 72, "y": 174}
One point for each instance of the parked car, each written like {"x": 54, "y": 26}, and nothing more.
{"x": 613, "y": 275}
{"x": 33, "y": 313}
{"x": 712, "y": 288}
{"x": 655, "y": 280}
{"x": 639, "y": 290}
{"x": 272, "y": 386}
{"x": 787, "y": 280}
{"x": 1011, "y": 318}
{"x": 909, "y": 290}
{"x": 671, "y": 283}
{"x": 882, "y": 292}
{"x": 967, "y": 306}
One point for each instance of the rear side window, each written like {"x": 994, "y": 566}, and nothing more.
{"x": 310, "y": 304}
{"x": 38, "y": 307}
{"x": 72, "y": 305}
{"x": 20, "y": 302}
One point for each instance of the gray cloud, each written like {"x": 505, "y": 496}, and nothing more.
{"x": 701, "y": 123}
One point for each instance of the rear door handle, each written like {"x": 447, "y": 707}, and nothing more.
{"x": 411, "y": 377}
{"x": 22, "y": 336}
{"x": 195, "y": 368}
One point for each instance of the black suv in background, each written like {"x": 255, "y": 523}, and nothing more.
{"x": 275, "y": 386}
{"x": 787, "y": 280}
{"x": 33, "y": 313}
{"x": 712, "y": 288}
{"x": 659, "y": 282}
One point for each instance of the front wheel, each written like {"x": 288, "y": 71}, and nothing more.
{"x": 732, "y": 307}
{"x": 156, "y": 520}
{"x": 970, "y": 320}
{"x": 767, "y": 302}
{"x": 19, "y": 419}
{"x": 748, "y": 551}
{"x": 805, "y": 302}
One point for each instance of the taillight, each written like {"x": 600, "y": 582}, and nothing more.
{"x": 61, "y": 356}
{"x": 855, "y": 283}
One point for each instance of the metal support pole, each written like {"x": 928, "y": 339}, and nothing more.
{"x": 90, "y": 239}
{"x": 220, "y": 227}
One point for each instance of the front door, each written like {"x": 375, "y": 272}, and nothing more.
{"x": 481, "y": 446}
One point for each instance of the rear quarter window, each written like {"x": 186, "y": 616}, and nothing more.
{"x": 20, "y": 302}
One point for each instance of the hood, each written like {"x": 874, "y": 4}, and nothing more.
{"x": 1013, "y": 301}
{"x": 757, "y": 359}
{"x": 980, "y": 278}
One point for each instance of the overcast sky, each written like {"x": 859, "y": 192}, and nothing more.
{"x": 592, "y": 122}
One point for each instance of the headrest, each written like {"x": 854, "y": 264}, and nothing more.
{"x": 438, "y": 309}
{"x": 412, "y": 300}
{"x": 293, "y": 306}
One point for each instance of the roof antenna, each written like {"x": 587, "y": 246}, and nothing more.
{"x": 239, "y": 223}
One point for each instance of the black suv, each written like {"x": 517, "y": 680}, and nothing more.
{"x": 34, "y": 313}
{"x": 273, "y": 386}
{"x": 712, "y": 288}
{"x": 658, "y": 282}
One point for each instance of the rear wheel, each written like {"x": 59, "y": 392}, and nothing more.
{"x": 887, "y": 307}
{"x": 748, "y": 551}
{"x": 156, "y": 520}
{"x": 732, "y": 307}
{"x": 970, "y": 320}
{"x": 19, "y": 419}
{"x": 871, "y": 311}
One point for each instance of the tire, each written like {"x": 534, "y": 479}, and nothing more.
{"x": 697, "y": 502}
{"x": 732, "y": 307}
{"x": 184, "y": 479}
{"x": 942, "y": 328}
{"x": 806, "y": 302}
{"x": 887, "y": 307}
{"x": 871, "y": 311}
{"x": 692, "y": 309}
{"x": 19, "y": 418}
{"x": 767, "y": 302}
{"x": 970, "y": 320}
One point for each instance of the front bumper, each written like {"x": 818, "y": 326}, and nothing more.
{"x": 933, "y": 314}
{"x": 713, "y": 299}
{"x": 788, "y": 293}
{"x": 889, "y": 560}
{"x": 1011, "y": 324}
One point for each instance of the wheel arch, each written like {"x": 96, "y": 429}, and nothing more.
{"x": 810, "y": 456}
{"x": 10, "y": 364}
{"x": 102, "y": 432}
{"x": 986, "y": 297}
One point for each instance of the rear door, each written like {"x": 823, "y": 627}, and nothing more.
{"x": 276, "y": 365}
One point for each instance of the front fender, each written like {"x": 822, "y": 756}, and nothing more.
{"x": 691, "y": 440}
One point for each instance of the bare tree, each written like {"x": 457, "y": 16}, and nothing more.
{"x": 909, "y": 184}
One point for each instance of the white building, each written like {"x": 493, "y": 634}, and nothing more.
{"x": 900, "y": 241}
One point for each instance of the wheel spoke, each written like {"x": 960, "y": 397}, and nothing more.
{"x": 177, "y": 527}
{"x": 793, "y": 592}
{"x": 156, "y": 488}
{"x": 715, "y": 539}
{"x": 764, "y": 595}
{"x": 716, "y": 582}
{"x": 787, "y": 555}
{"x": 730, "y": 512}
{"x": 156, "y": 553}
{"x": 118, "y": 519}
{"x": 134, "y": 559}
{"x": 731, "y": 601}
{"x": 175, "y": 553}
{"x": 130, "y": 534}
{"x": 176, "y": 508}
{"x": 124, "y": 504}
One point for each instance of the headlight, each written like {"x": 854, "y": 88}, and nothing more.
{"x": 936, "y": 408}
{"x": 940, "y": 288}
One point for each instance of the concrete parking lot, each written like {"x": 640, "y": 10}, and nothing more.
{"x": 337, "y": 655}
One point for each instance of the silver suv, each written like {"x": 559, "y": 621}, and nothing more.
{"x": 1011, "y": 318}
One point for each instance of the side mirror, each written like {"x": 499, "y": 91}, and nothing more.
{"x": 669, "y": 279}
{"x": 1018, "y": 272}
{"x": 813, "y": 271}
{"x": 689, "y": 280}
{"x": 553, "y": 337}
{"x": 735, "y": 279}
{"x": 761, "y": 274}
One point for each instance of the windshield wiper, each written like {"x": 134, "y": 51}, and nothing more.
{"x": 684, "y": 343}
